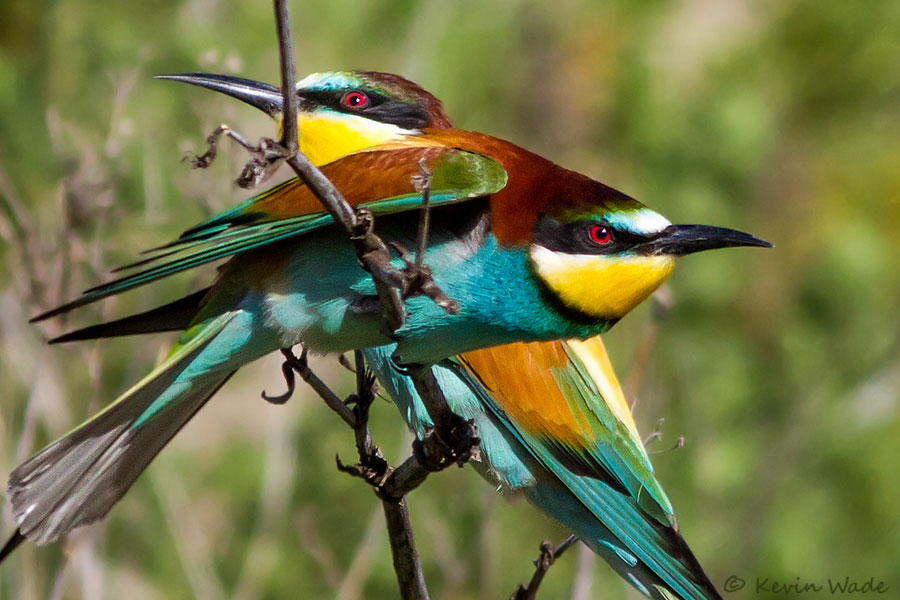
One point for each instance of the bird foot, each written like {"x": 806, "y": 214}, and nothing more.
{"x": 456, "y": 443}
{"x": 292, "y": 364}
{"x": 371, "y": 468}
{"x": 419, "y": 281}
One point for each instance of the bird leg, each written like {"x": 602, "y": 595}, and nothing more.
{"x": 299, "y": 365}
{"x": 287, "y": 370}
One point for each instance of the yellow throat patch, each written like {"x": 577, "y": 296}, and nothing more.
{"x": 327, "y": 136}
{"x": 606, "y": 287}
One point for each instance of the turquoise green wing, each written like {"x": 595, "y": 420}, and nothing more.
{"x": 615, "y": 451}
{"x": 644, "y": 538}
{"x": 285, "y": 211}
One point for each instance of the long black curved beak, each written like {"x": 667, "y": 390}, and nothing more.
{"x": 263, "y": 96}
{"x": 687, "y": 239}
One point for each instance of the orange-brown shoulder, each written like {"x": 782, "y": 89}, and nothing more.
{"x": 520, "y": 379}
{"x": 361, "y": 177}
{"x": 536, "y": 185}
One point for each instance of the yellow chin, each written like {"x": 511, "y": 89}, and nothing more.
{"x": 326, "y": 136}
{"x": 605, "y": 287}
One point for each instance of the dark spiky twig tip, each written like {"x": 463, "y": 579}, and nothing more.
{"x": 549, "y": 554}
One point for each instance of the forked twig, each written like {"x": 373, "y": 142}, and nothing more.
{"x": 453, "y": 440}
{"x": 549, "y": 554}
{"x": 390, "y": 484}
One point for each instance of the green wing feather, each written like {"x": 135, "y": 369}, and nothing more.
{"x": 615, "y": 451}
{"x": 457, "y": 176}
{"x": 645, "y": 537}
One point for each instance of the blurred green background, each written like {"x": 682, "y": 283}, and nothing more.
{"x": 781, "y": 368}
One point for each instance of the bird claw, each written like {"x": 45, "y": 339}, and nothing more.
{"x": 287, "y": 370}
{"x": 418, "y": 280}
{"x": 372, "y": 467}
{"x": 292, "y": 364}
{"x": 461, "y": 445}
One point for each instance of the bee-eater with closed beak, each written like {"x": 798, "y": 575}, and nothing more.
{"x": 530, "y": 250}
{"x": 552, "y": 416}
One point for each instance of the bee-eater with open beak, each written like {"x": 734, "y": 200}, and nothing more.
{"x": 530, "y": 250}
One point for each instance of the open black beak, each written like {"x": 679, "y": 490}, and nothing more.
{"x": 687, "y": 239}
{"x": 263, "y": 96}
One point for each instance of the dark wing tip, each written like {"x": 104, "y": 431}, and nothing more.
{"x": 11, "y": 544}
{"x": 49, "y": 314}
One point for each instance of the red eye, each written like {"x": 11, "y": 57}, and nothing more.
{"x": 600, "y": 235}
{"x": 355, "y": 100}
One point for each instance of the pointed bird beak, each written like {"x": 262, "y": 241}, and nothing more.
{"x": 263, "y": 96}
{"x": 687, "y": 239}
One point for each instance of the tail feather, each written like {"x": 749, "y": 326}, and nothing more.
{"x": 652, "y": 556}
{"x": 175, "y": 316}
{"x": 78, "y": 478}
{"x": 561, "y": 504}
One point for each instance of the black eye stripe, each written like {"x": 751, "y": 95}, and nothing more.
{"x": 575, "y": 238}
{"x": 335, "y": 98}
{"x": 407, "y": 116}
{"x": 379, "y": 108}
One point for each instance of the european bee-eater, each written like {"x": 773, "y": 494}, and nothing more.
{"x": 535, "y": 252}
{"x": 552, "y": 416}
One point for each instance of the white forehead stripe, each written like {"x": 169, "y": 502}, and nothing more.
{"x": 640, "y": 221}
{"x": 327, "y": 81}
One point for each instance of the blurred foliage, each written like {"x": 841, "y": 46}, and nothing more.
{"x": 779, "y": 367}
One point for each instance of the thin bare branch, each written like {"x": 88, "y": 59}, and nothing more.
{"x": 289, "y": 130}
{"x": 549, "y": 554}
{"x": 403, "y": 550}
{"x": 454, "y": 440}
{"x": 423, "y": 186}
{"x": 458, "y": 434}
{"x": 390, "y": 283}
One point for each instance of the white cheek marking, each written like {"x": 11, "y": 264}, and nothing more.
{"x": 555, "y": 261}
{"x": 326, "y": 81}
{"x": 641, "y": 221}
